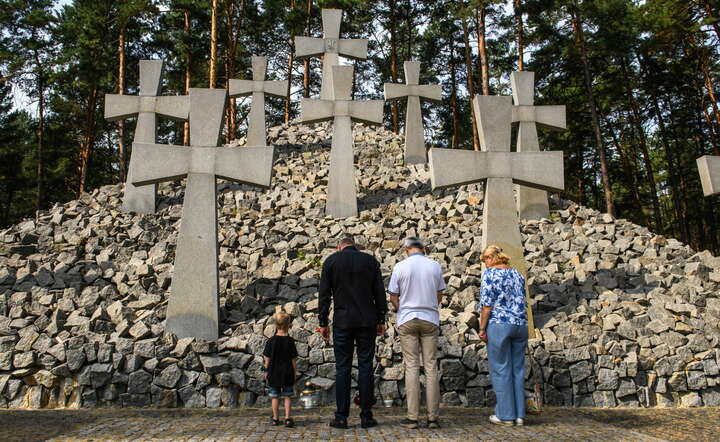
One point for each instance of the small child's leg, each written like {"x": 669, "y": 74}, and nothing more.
{"x": 288, "y": 403}
{"x": 276, "y": 408}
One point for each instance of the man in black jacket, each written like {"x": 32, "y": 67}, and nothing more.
{"x": 352, "y": 280}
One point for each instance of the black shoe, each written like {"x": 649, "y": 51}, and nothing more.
{"x": 337, "y": 423}
{"x": 407, "y": 423}
{"x": 289, "y": 422}
{"x": 433, "y": 424}
{"x": 368, "y": 423}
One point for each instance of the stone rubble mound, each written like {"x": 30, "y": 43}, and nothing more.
{"x": 624, "y": 317}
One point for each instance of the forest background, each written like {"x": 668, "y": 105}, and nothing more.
{"x": 639, "y": 79}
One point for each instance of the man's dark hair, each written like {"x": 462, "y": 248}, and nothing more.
{"x": 346, "y": 241}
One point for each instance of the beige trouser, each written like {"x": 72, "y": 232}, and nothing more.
{"x": 418, "y": 336}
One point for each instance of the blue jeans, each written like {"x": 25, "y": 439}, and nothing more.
{"x": 276, "y": 392}
{"x": 506, "y": 354}
{"x": 345, "y": 340}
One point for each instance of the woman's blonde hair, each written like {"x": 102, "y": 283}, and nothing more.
{"x": 495, "y": 254}
{"x": 282, "y": 320}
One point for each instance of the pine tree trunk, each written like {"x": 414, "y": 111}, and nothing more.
{"x": 122, "y": 166}
{"x": 642, "y": 139}
{"x": 213, "y": 44}
{"x": 682, "y": 179}
{"x": 455, "y": 142}
{"x": 291, "y": 59}
{"x": 582, "y": 49}
{"x": 40, "y": 202}
{"x": 630, "y": 171}
{"x": 519, "y": 34}
{"x": 229, "y": 57}
{"x": 86, "y": 144}
{"x": 711, "y": 16}
{"x": 306, "y": 62}
{"x": 646, "y": 64}
{"x": 702, "y": 57}
{"x": 480, "y": 19}
{"x": 392, "y": 4}
{"x": 470, "y": 85}
{"x": 188, "y": 73}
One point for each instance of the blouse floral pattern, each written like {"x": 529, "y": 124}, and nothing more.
{"x": 504, "y": 290}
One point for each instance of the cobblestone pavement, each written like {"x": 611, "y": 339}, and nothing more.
{"x": 457, "y": 424}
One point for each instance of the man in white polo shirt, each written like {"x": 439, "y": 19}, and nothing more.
{"x": 415, "y": 290}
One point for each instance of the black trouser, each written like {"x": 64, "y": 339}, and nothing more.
{"x": 344, "y": 342}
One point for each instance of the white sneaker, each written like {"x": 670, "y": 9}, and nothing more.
{"x": 494, "y": 419}
{"x": 519, "y": 422}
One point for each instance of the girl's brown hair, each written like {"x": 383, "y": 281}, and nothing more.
{"x": 495, "y": 255}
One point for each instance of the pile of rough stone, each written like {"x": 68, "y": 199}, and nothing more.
{"x": 624, "y": 317}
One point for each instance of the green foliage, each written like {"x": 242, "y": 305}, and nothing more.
{"x": 653, "y": 68}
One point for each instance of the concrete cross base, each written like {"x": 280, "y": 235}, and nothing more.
{"x": 501, "y": 228}
{"x": 342, "y": 195}
{"x": 193, "y": 307}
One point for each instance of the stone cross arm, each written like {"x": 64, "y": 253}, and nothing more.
{"x": 396, "y": 91}
{"x": 306, "y": 47}
{"x": 158, "y": 163}
{"x": 369, "y": 112}
{"x": 540, "y": 170}
{"x": 120, "y": 107}
{"x": 550, "y": 117}
{"x": 709, "y": 168}
{"x": 239, "y": 88}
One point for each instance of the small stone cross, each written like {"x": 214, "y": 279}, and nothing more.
{"x": 342, "y": 196}
{"x": 532, "y": 203}
{"x": 499, "y": 168}
{"x": 709, "y": 167}
{"x": 414, "y": 131}
{"x": 330, "y": 47}
{"x": 146, "y": 107}
{"x": 258, "y": 87}
{"x": 193, "y": 306}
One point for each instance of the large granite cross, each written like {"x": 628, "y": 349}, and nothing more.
{"x": 330, "y": 47}
{"x": 146, "y": 107}
{"x": 532, "y": 203}
{"x": 709, "y": 167}
{"x": 499, "y": 168}
{"x": 258, "y": 87}
{"x": 341, "y": 194}
{"x": 193, "y": 307}
{"x": 414, "y": 131}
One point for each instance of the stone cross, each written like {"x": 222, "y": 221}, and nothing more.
{"x": 258, "y": 87}
{"x": 414, "y": 131}
{"x": 709, "y": 167}
{"x": 330, "y": 47}
{"x": 193, "y": 306}
{"x": 341, "y": 193}
{"x": 499, "y": 168}
{"x": 532, "y": 203}
{"x": 146, "y": 107}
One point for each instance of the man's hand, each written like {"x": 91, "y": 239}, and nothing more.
{"x": 380, "y": 329}
{"x": 483, "y": 336}
{"x": 324, "y": 332}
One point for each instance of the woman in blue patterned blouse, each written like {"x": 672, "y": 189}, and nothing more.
{"x": 503, "y": 326}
